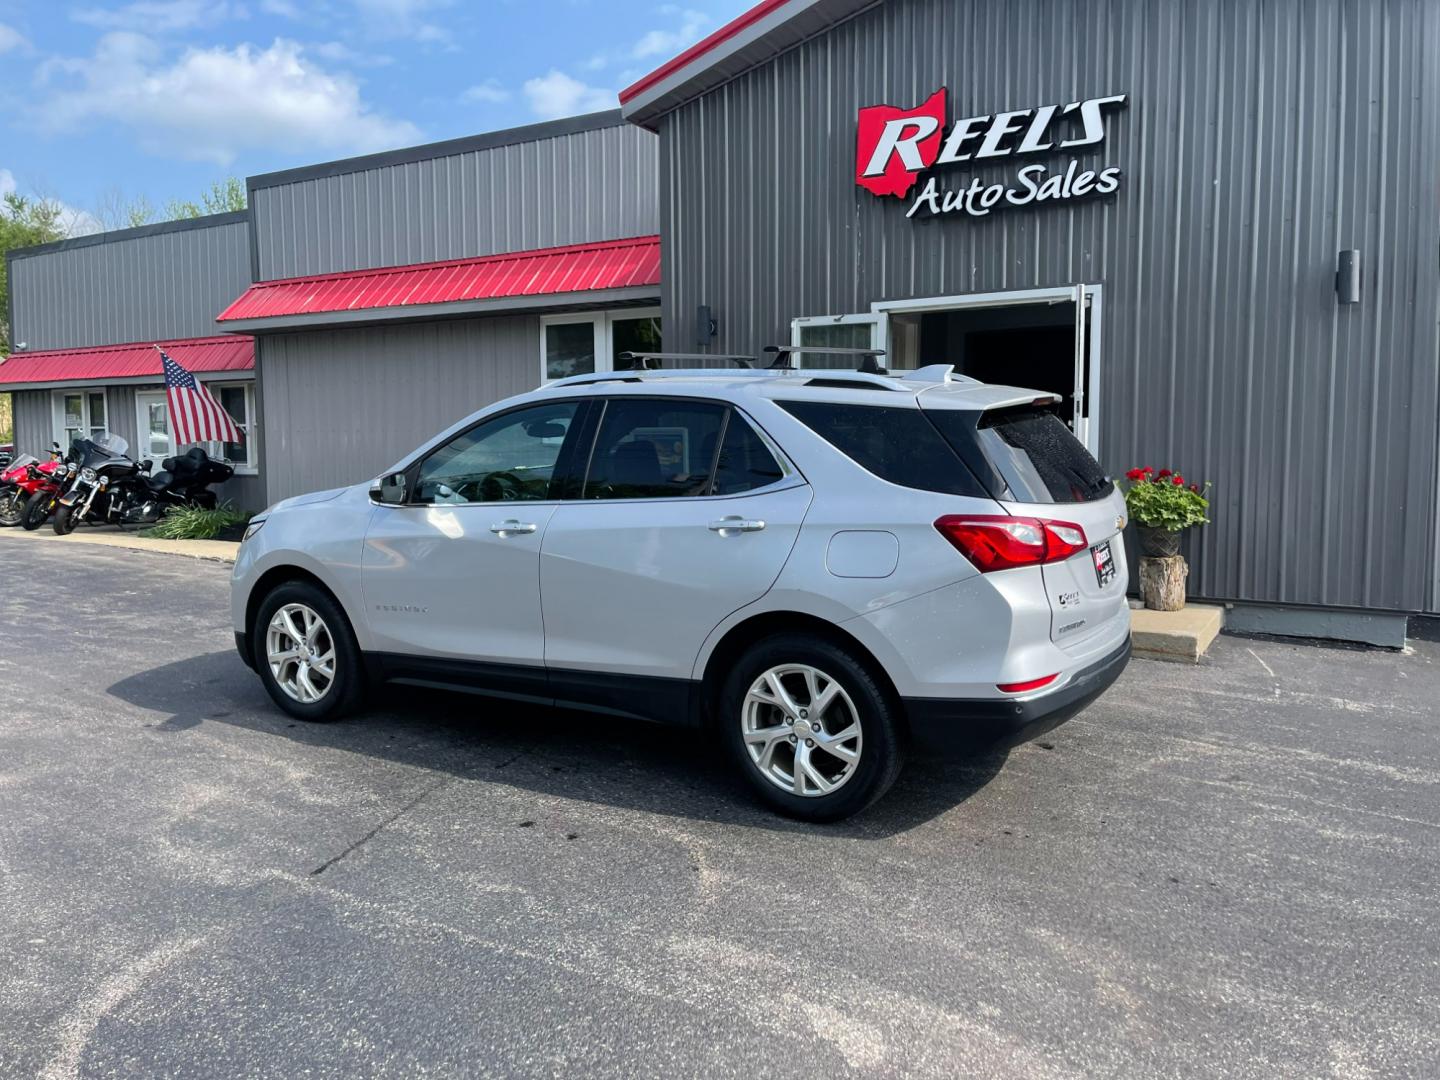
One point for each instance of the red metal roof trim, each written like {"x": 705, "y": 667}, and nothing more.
{"x": 701, "y": 47}
{"x": 229, "y": 352}
{"x": 608, "y": 264}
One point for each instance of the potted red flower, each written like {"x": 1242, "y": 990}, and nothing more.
{"x": 1163, "y": 505}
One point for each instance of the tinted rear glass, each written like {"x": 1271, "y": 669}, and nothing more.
{"x": 1031, "y": 456}
{"x": 745, "y": 462}
{"x": 898, "y": 445}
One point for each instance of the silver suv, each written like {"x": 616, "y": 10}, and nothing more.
{"x": 822, "y": 566}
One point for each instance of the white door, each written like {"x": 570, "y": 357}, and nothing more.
{"x": 152, "y": 421}
{"x": 455, "y": 571}
{"x": 669, "y": 538}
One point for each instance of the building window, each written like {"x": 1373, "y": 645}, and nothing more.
{"x": 843, "y": 332}
{"x": 580, "y": 344}
{"x": 79, "y": 414}
{"x": 237, "y": 399}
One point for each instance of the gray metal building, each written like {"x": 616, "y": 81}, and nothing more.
{"x": 397, "y": 292}
{"x": 84, "y": 314}
{"x": 378, "y": 299}
{"x": 1210, "y": 226}
{"x": 1255, "y": 142}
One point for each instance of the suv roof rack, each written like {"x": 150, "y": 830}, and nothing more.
{"x": 646, "y": 358}
{"x": 868, "y": 363}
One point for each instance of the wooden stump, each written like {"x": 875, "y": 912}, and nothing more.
{"x": 1162, "y": 582}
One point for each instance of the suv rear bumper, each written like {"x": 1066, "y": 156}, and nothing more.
{"x": 963, "y": 723}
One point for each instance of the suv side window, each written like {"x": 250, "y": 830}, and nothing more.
{"x": 745, "y": 462}
{"x": 649, "y": 448}
{"x": 509, "y": 458}
{"x": 898, "y": 445}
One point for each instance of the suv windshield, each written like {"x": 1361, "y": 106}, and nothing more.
{"x": 1024, "y": 454}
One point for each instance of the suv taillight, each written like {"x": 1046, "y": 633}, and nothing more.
{"x": 1000, "y": 542}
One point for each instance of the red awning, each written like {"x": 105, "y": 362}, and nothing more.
{"x": 609, "y": 264}
{"x": 229, "y": 352}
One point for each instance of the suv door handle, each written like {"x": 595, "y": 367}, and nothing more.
{"x": 733, "y": 526}
{"x": 513, "y": 527}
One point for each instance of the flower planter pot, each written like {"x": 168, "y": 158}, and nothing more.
{"x": 1158, "y": 543}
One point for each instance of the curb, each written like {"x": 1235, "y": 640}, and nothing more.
{"x": 223, "y": 551}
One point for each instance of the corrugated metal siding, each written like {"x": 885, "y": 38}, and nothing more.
{"x": 592, "y": 185}
{"x": 33, "y": 420}
{"x": 341, "y": 405}
{"x": 165, "y": 285}
{"x": 1262, "y": 136}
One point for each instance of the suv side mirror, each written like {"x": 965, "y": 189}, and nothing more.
{"x": 389, "y": 489}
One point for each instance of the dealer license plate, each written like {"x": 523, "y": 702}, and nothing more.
{"x": 1104, "y": 563}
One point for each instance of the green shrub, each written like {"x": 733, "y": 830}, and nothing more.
{"x": 197, "y": 523}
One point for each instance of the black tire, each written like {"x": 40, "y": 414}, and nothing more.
{"x": 348, "y": 685}
{"x": 876, "y": 711}
{"x": 65, "y": 521}
{"x": 12, "y": 508}
{"x": 37, "y": 510}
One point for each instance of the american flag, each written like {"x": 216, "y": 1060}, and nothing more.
{"x": 195, "y": 415}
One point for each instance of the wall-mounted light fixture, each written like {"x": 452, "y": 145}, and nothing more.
{"x": 1347, "y": 276}
{"x": 705, "y": 325}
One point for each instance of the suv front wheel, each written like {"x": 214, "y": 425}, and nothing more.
{"x": 306, "y": 654}
{"x": 813, "y": 731}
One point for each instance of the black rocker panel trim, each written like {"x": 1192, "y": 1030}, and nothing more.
{"x": 640, "y": 697}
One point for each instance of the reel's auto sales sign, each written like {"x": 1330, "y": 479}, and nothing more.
{"x": 895, "y": 146}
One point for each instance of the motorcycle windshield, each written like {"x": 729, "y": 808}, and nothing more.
{"x": 17, "y": 466}
{"x": 114, "y": 444}
{"x": 101, "y": 450}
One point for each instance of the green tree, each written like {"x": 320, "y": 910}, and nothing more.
{"x": 224, "y": 196}
{"x": 23, "y": 222}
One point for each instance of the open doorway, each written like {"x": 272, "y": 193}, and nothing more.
{"x": 1041, "y": 339}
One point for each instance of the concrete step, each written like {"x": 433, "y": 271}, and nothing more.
{"x": 1180, "y": 636}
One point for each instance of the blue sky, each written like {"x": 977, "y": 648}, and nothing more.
{"x": 105, "y": 101}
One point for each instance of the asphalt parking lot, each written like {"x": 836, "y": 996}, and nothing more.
{"x": 1225, "y": 870}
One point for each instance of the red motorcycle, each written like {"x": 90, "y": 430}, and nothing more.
{"x": 28, "y": 487}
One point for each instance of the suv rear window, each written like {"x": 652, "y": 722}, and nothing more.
{"x": 898, "y": 445}
{"x": 1024, "y": 454}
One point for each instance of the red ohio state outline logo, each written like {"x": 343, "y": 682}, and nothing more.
{"x": 894, "y": 146}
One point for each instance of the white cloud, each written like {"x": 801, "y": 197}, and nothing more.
{"x": 658, "y": 44}
{"x": 283, "y": 8}
{"x": 159, "y": 16}
{"x": 73, "y": 221}
{"x": 557, "y": 94}
{"x": 489, "y": 92}
{"x": 10, "y": 38}
{"x": 665, "y": 43}
{"x": 403, "y": 18}
{"x": 212, "y": 104}
{"x": 338, "y": 52}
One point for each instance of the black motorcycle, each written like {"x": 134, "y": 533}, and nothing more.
{"x": 183, "y": 480}
{"x": 100, "y": 487}
{"x": 121, "y": 492}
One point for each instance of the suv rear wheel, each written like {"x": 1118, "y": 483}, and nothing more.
{"x": 811, "y": 728}
{"x": 306, "y": 654}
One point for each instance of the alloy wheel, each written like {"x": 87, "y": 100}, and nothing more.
{"x": 801, "y": 730}
{"x": 301, "y": 653}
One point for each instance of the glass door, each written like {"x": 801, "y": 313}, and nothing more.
{"x": 152, "y": 416}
